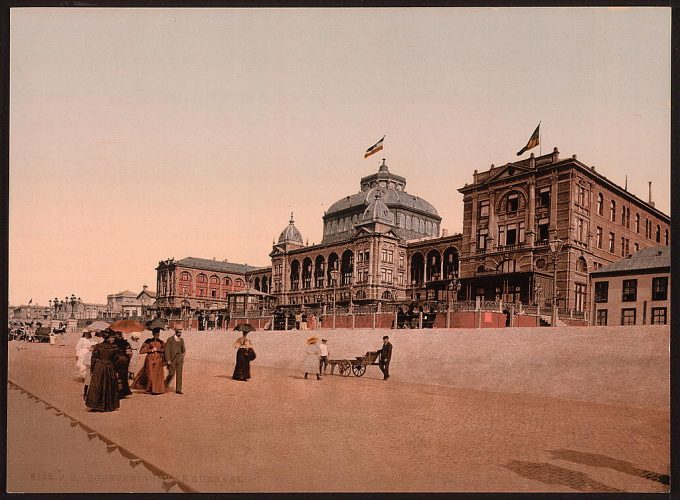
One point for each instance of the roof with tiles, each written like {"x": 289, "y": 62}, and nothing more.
{"x": 647, "y": 258}
{"x": 215, "y": 265}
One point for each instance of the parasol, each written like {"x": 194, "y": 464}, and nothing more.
{"x": 244, "y": 327}
{"x": 97, "y": 325}
{"x": 126, "y": 326}
{"x": 157, "y": 323}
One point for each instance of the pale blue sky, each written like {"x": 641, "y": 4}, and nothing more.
{"x": 142, "y": 134}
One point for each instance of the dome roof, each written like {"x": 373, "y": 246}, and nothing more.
{"x": 390, "y": 196}
{"x": 291, "y": 234}
{"x": 377, "y": 210}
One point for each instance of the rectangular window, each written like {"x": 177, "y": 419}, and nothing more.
{"x": 627, "y": 218}
{"x": 513, "y": 203}
{"x": 659, "y": 316}
{"x": 623, "y": 246}
{"x": 599, "y": 204}
{"x": 660, "y": 288}
{"x": 543, "y": 225}
{"x": 629, "y": 290}
{"x": 637, "y": 223}
{"x": 627, "y": 316}
{"x": 484, "y": 208}
{"x": 611, "y": 242}
{"x": 511, "y": 237}
{"x": 544, "y": 197}
{"x": 601, "y": 317}
{"x": 501, "y": 236}
{"x": 627, "y": 246}
{"x": 579, "y": 229}
{"x": 599, "y": 237}
{"x": 401, "y": 261}
{"x": 637, "y": 247}
{"x": 580, "y": 296}
{"x": 401, "y": 278}
{"x": 521, "y": 232}
{"x": 601, "y": 291}
{"x": 481, "y": 239}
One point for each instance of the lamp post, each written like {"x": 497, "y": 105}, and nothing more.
{"x": 556, "y": 245}
{"x": 73, "y": 301}
{"x": 334, "y": 280}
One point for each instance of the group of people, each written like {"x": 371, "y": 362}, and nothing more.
{"x": 211, "y": 321}
{"x": 316, "y": 357}
{"x": 106, "y": 363}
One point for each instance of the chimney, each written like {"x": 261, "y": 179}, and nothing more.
{"x": 144, "y": 288}
{"x": 650, "y": 194}
{"x": 445, "y": 232}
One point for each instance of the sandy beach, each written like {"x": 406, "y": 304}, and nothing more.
{"x": 499, "y": 410}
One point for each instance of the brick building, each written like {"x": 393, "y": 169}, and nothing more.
{"x": 511, "y": 212}
{"x": 633, "y": 291}
{"x": 193, "y": 284}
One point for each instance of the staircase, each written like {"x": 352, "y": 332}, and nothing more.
{"x": 546, "y": 320}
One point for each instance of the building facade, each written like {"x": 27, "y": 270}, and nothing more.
{"x": 192, "y": 284}
{"x": 513, "y": 211}
{"x": 633, "y": 291}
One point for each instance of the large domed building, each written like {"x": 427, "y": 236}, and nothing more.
{"x": 411, "y": 216}
{"x": 364, "y": 255}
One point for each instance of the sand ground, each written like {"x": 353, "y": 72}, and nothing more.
{"x": 279, "y": 432}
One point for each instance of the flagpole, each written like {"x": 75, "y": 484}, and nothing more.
{"x": 540, "y": 142}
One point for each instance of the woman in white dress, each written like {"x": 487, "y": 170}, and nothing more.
{"x": 82, "y": 347}
{"x": 134, "y": 345}
{"x": 312, "y": 356}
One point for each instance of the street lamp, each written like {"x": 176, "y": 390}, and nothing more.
{"x": 73, "y": 301}
{"x": 334, "y": 281}
{"x": 556, "y": 245}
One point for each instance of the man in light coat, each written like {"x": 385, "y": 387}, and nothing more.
{"x": 174, "y": 356}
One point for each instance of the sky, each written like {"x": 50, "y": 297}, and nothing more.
{"x": 137, "y": 135}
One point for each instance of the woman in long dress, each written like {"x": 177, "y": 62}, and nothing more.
{"x": 151, "y": 378}
{"x": 312, "y": 356}
{"x": 242, "y": 368}
{"x": 102, "y": 394}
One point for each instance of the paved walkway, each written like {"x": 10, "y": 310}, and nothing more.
{"x": 279, "y": 432}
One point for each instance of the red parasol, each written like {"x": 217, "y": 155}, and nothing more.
{"x": 127, "y": 326}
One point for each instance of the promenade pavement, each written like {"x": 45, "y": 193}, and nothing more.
{"x": 279, "y": 432}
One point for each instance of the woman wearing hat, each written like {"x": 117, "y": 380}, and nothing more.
{"x": 243, "y": 347}
{"x": 102, "y": 395}
{"x": 151, "y": 378}
{"x": 312, "y": 357}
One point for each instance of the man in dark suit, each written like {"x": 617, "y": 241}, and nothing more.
{"x": 385, "y": 356}
{"x": 174, "y": 356}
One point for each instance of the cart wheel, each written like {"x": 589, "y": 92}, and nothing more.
{"x": 345, "y": 369}
{"x": 359, "y": 370}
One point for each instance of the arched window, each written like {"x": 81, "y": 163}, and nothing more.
{"x": 599, "y": 203}
{"x": 257, "y": 284}
{"x": 658, "y": 233}
{"x": 214, "y": 280}
{"x": 185, "y": 276}
{"x": 201, "y": 278}
{"x": 666, "y": 236}
{"x": 402, "y": 220}
{"x": 408, "y": 222}
{"x": 239, "y": 283}
{"x": 226, "y": 281}
{"x": 637, "y": 223}
{"x": 612, "y": 211}
{"x": 386, "y": 295}
{"x": 422, "y": 226}
{"x": 581, "y": 265}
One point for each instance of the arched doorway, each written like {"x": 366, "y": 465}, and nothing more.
{"x": 417, "y": 265}
{"x": 295, "y": 275}
{"x": 347, "y": 267}
{"x": 434, "y": 265}
{"x": 318, "y": 271}
{"x": 307, "y": 273}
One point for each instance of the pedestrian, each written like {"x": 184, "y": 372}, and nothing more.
{"x": 122, "y": 365}
{"x": 211, "y": 321}
{"x": 200, "y": 321}
{"x": 311, "y": 363}
{"x": 134, "y": 345}
{"x": 298, "y": 320}
{"x": 219, "y": 321}
{"x": 244, "y": 355}
{"x": 323, "y": 359}
{"x": 102, "y": 394}
{"x": 150, "y": 377}
{"x": 385, "y": 353}
{"x": 174, "y": 357}
{"x": 82, "y": 348}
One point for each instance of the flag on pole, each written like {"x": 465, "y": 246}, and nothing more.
{"x": 533, "y": 141}
{"x": 30, "y": 301}
{"x": 375, "y": 148}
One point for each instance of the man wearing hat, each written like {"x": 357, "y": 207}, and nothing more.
{"x": 174, "y": 356}
{"x": 323, "y": 360}
{"x": 385, "y": 357}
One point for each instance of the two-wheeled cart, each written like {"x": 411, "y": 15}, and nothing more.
{"x": 357, "y": 366}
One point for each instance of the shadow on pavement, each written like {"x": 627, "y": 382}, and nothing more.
{"x": 597, "y": 460}
{"x": 551, "y": 474}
